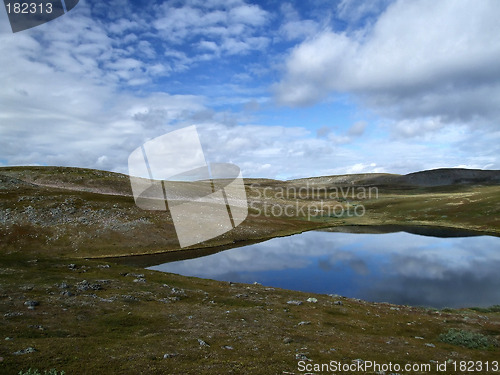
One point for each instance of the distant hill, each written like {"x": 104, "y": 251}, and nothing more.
{"x": 433, "y": 177}
{"x": 85, "y": 212}
{"x": 77, "y": 179}
{"x": 451, "y": 176}
{"x": 104, "y": 182}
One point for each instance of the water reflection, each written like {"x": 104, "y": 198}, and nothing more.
{"x": 399, "y": 268}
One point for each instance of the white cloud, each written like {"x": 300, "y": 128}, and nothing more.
{"x": 230, "y": 27}
{"x": 63, "y": 100}
{"x": 355, "y": 10}
{"x": 419, "y": 58}
{"x": 417, "y": 128}
{"x": 62, "y": 103}
{"x": 357, "y": 129}
{"x": 249, "y": 15}
{"x": 364, "y": 168}
{"x": 299, "y": 29}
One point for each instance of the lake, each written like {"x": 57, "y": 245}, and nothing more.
{"x": 400, "y": 268}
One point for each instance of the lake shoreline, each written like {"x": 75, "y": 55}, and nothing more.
{"x": 73, "y": 310}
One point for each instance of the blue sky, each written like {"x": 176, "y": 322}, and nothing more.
{"x": 282, "y": 89}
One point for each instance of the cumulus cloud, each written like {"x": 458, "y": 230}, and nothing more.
{"x": 355, "y": 10}
{"x": 228, "y": 27}
{"x": 86, "y": 90}
{"x": 357, "y": 129}
{"x": 420, "y": 58}
{"x": 63, "y": 103}
{"x": 293, "y": 26}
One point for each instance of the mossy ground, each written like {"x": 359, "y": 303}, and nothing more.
{"x": 128, "y": 325}
{"x": 85, "y": 213}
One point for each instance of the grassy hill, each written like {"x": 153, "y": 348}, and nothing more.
{"x": 82, "y": 212}
{"x": 60, "y": 309}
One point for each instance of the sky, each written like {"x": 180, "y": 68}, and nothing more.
{"x": 281, "y": 89}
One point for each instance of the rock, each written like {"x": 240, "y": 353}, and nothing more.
{"x": 31, "y": 304}
{"x": 179, "y": 292}
{"x": 287, "y": 340}
{"x": 66, "y": 293}
{"x": 358, "y": 360}
{"x": 127, "y": 297}
{"x": 256, "y": 283}
{"x": 419, "y": 338}
{"x": 304, "y": 323}
{"x": 334, "y": 295}
{"x": 85, "y": 285}
{"x": 37, "y": 326}
{"x": 430, "y": 345}
{"x": 339, "y": 303}
{"x": 168, "y": 299}
{"x": 25, "y": 351}
{"x": 63, "y": 285}
{"x": 312, "y": 300}
{"x": 9, "y": 339}
{"x": 72, "y": 266}
{"x": 227, "y": 347}
{"x": 301, "y": 357}
{"x": 136, "y": 275}
{"x": 169, "y": 355}
{"x": 203, "y": 343}
{"x": 294, "y": 302}
{"x": 139, "y": 280}
{"x": 12, "y": 314}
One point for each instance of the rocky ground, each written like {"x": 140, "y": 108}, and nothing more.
{"x": 62, "y": 306}
{"x": 86, "y": 213}
{"x": 91, "y": 317}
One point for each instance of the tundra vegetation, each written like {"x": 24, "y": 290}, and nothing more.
{"x": 64, "y": 306}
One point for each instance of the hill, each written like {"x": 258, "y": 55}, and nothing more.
{"x": 433, "y": 177}
{"x": 84, "y": 212}
{"x": 62, "y": 306}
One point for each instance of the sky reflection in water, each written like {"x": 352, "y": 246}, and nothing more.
{"x": 399, "y": 268}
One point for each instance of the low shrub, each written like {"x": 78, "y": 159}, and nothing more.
{"x": 471, "y": 340}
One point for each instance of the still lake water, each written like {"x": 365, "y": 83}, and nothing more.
{"x": 399, "y": 268}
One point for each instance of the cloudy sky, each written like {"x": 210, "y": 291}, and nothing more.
{"x": 282, "y": 89}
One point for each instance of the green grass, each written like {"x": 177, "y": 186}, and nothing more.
{"x": 128, "y": 327}
{"x": 491, "y": 309}
{"x": 68, "y": 220}
{"x": 467, "y": 339}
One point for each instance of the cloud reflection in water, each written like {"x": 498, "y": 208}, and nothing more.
{"x": 399, "y": 268}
